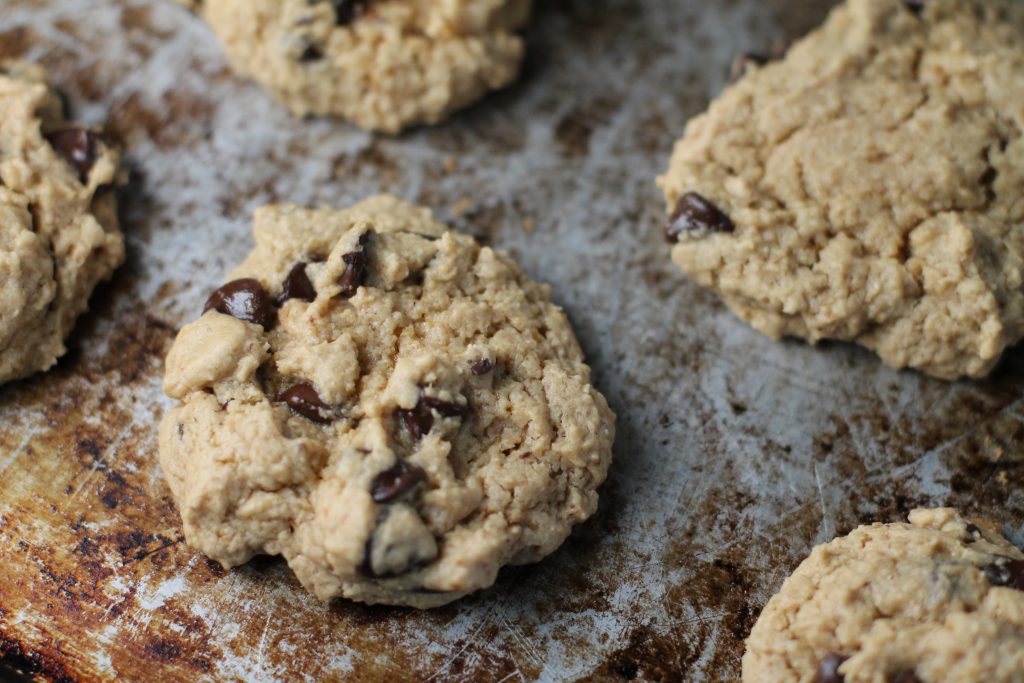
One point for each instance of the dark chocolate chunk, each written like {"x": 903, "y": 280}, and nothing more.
{"x": 1006, "y": 572}
{"x": 904, "y": 677}
{"x": 78, "y": 146}
{"x": 393, "y": 483}
{"x": 244, "y": 299}
{"x": 695, "y": 217}
{"x": 355, "y": 270}
{"x": 304, "y": 400}
{"x": 348, "y": 11}
{"x": 482, "y": 367}
{"x": 973, "y": 533}
{"x": 828, "y": 669}
{"x": 297, "y": 285}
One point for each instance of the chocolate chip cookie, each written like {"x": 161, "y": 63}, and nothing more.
{"x": 59, "y": 233}
{"x": 396, "y": 410}
{"x": 939, "y": 600}
{"x": 866, "y": 187}
{"x": 383, "y": 64}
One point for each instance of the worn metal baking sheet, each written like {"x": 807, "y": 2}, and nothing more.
{"x": 735, "y": 454}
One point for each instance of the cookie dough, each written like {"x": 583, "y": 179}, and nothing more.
{"x": 868, "y": 186}
{"x": 396, "y": 410}
{"x": 383, "y": 64}
{"x": 59, "y": 233}
{"x": 939, "y": 600}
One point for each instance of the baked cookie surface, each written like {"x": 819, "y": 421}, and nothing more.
{"x": 938, "y": 600}
{"x": 383, "y": 64}
{"x": 867, "y": 187}
{"x": 59, "y": 233}
{"x": 394, "y": 409}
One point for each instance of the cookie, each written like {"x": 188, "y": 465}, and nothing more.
{"x": 383, "y": 64}
{"x": 867, "y": 187}
{"x": 59, "y": 233}
{"x": 396, "y": 410}
{"x": 939, "y": 600}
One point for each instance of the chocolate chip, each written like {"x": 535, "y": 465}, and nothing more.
{"x": 744, "y": 63}
{"x": 348, "y": 11}
{"x": 65, "y": 103}
{"x": 420, "y": 419}
{"x": 297, "y": 285}
{"x": 444, "y": 408}
{"x": 696, "y": 217}
{"x": 304, "y": 400}
{"x": 915, "y": 6}
{"x": 1006, "y": 572}
{"x": 393, "y": 483}
{"x": 973, "y": 533}
{"x": 417, "y": 421}
{"x": 482, "y": 367}
{"x": 366, "y": 566}
{"x": 311, "y": 53}
{"x": 904, "y": 677}
{"x": 244, "y": 299}
{"x": 355, "y": 270}
{"x": 78, "y": 146}
{"x": 828, "y": 669}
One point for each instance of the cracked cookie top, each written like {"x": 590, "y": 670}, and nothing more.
{"x": 59, "y": 234}
{"x": 870, "y": 185}
{"x": 939, "y": 600}
{"x": 383, "y": 64}
{"x": 396, "y": 410}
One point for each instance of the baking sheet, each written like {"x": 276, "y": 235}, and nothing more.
{"x": 734, "y": 456}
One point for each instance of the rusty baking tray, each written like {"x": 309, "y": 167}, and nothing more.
{"x": 735, "y": 454}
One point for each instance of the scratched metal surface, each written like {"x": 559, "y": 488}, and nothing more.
{"x": 735, "y": 454}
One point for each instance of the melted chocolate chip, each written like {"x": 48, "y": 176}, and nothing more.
{"x": 304, "y": 400}
{"x": 482, "y": 367}
{"x": 244, "y": 299}
{"x": 297, "y": 285}
{"x": 828, "y": 669}
{"x": 1006, "y": 573}
{"x": 78, "y": 146}
{"x": 696, "y": 217}
{"x": 904, "y": 677}
{"x": 393, "y": 483}
{"x": 348, "y": 11}
{"x": 355, "y": 270}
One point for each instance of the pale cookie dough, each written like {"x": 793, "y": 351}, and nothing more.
{"x": 383, "y": 64}
{"x": 396, "y": 410}
{"x": 939, "y": 600}
{"x": 59, "y": 233}
{"x": 868, "y": 186}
